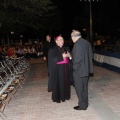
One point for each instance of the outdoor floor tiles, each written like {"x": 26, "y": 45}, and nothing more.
{"x": 33, "y": 102}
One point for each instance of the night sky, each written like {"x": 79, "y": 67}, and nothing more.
{"x": 69, "y": 15}
{"x": 76, "y": 15}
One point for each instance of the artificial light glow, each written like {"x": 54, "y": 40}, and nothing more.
{"x": 21, "y": 36}
{"x": 12, "y": 32}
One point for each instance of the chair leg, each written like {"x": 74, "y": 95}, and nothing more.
{"x": 4, "y": 102}
{"x": 20, "y": 85}
{"x": 3, "y": 116}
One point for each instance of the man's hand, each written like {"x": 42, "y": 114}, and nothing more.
{"x": 66, "y": 55}
{"x": 44, "y": 58}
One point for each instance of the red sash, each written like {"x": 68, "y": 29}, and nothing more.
{"x": 65, "y": 61}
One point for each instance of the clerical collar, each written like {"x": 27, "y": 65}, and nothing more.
{"x": 59, "y": 46}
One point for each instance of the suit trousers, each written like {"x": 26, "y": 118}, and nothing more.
{"x": 81, "y": 87}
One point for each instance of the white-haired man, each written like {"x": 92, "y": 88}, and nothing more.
{"x": 82, "y": 67}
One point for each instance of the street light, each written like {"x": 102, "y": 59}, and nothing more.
{"x": 91, "y": 32}
{"x": 12, "y": 32}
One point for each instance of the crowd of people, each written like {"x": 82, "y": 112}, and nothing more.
{"x": 104, "y": 45}
{"x": 28, "y": 51}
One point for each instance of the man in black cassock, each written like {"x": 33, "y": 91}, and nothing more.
{"x": 47, "y": 45}
{"x": 59, "y": 71}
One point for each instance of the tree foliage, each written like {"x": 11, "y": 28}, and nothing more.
{"x": 31, "y": 13}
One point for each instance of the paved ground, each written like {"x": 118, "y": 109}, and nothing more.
{"x": 33, "y": 102}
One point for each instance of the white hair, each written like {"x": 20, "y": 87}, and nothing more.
{"x": 75, "y": 33}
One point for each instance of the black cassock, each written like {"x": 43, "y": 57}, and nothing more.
{"x": 59, "y": 75}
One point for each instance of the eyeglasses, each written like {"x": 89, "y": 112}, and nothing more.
{"x": 72, "y": 36}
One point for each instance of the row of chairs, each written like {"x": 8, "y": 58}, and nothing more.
{"x": 13, "y": 73}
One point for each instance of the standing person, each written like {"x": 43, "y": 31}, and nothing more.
{"x": 46, "y": 46}
{"x": 82, "y": 67}
{"x": 59, "y": 71}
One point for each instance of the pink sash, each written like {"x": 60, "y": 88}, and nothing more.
{"x": 65, "y": 61}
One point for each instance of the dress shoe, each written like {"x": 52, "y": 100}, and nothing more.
{"x": 91, "y": 74}
{"x": 58, "y": 101}
{"x": 78, "y": 108}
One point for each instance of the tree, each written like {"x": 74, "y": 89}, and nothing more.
{"x": 17, "y": 15}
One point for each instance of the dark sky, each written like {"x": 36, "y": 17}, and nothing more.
{"x": 105, "y": 15}
{"x": 75, "y": 14}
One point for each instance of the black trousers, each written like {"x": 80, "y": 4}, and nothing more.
{"x": 81, "y": 87}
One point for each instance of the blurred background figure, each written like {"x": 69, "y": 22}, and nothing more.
{"x": 116, "y": 47}
{"x": 46, "y": 46}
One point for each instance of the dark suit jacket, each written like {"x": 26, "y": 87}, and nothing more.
{"x": 82, "y": 57}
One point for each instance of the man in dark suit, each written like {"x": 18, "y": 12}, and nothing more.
{"x": 82, "y": 67}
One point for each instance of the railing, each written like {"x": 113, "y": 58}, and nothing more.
{"x": 109, "y": 60}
